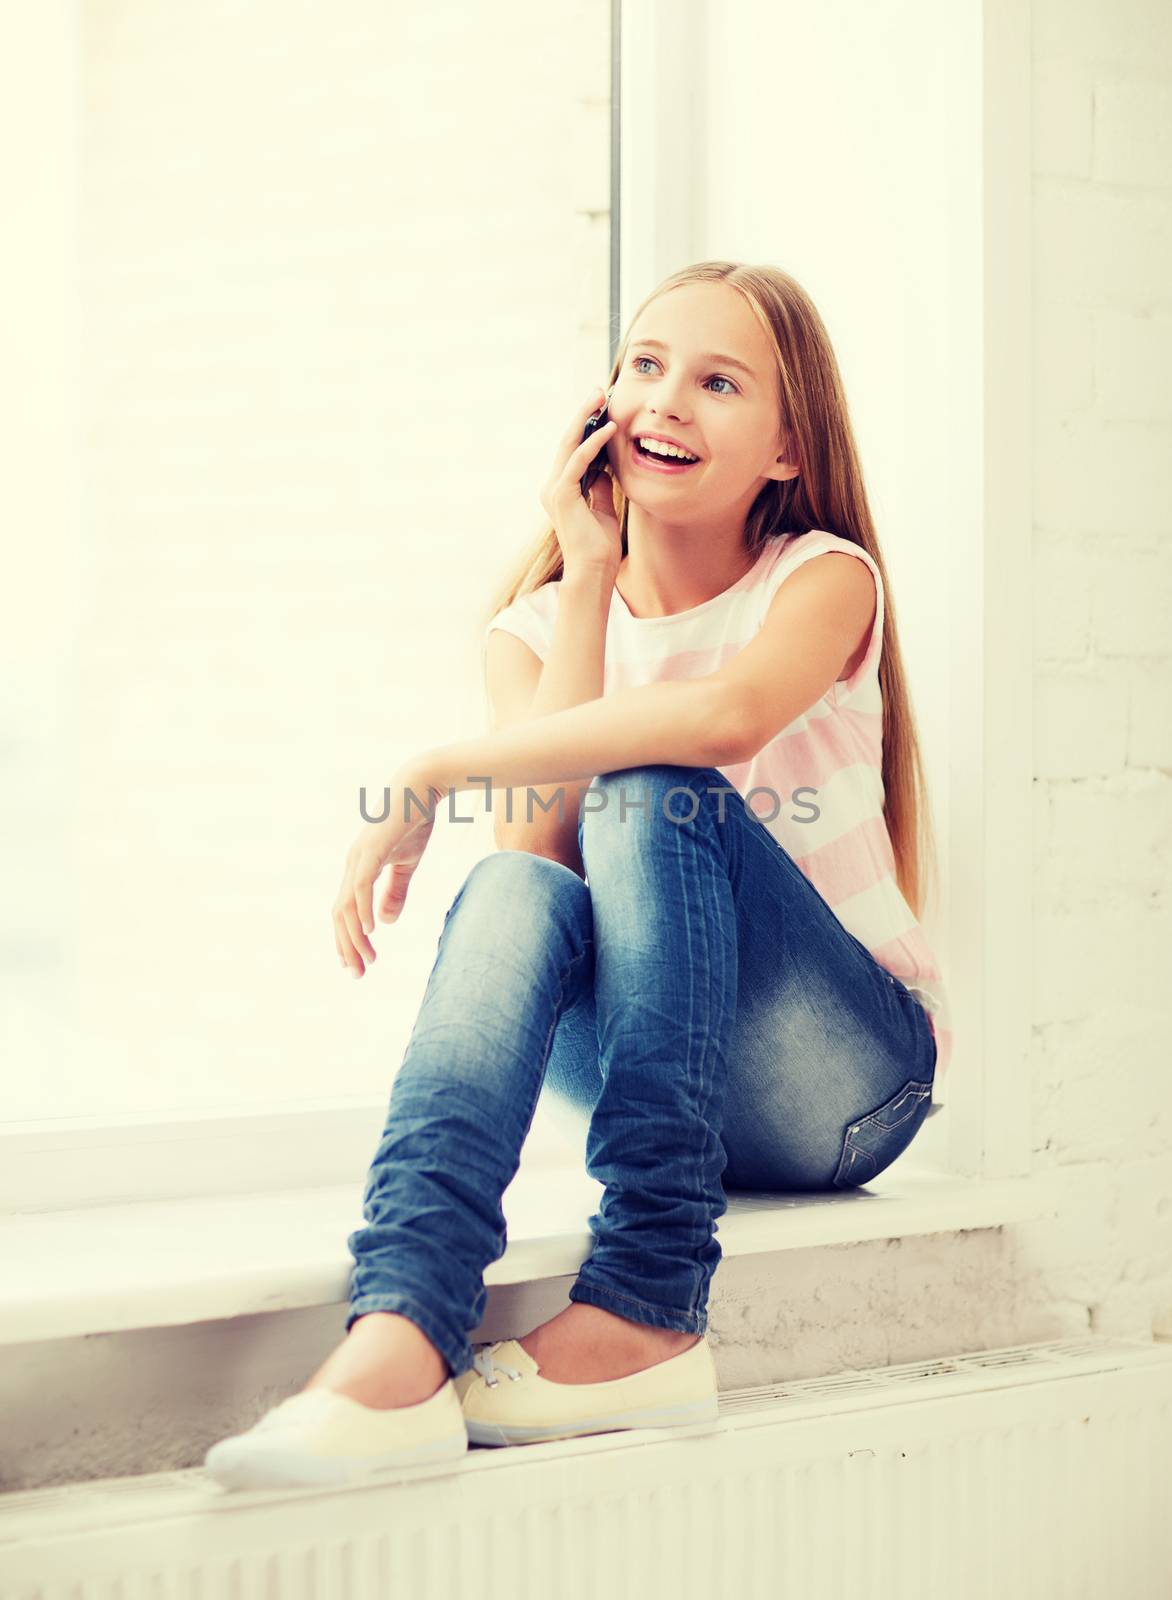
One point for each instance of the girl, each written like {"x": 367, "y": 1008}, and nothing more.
{"x": 713, "y": 989}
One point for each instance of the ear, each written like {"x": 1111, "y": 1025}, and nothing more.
{"x": 782, "y": 469}
{"x": 785, "y": 463}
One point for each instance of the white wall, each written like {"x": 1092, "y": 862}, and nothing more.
{"x": 1102, "y": 566}
{"x": 344, "y": 277}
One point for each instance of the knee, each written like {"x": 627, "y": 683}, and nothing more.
{"x": 653, "y": 792}
{"x": 518, "y": 878}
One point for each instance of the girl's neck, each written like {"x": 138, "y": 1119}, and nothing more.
{"x": 658, "y": 578}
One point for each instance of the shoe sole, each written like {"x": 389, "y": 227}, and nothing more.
{"x": 678, "y": 1416}
{"x": 284, "y": 1467}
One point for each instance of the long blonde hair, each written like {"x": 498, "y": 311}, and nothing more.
{"x": 827, "y": 494}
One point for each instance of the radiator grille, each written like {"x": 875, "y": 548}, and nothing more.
{"x": 1036, "y": 1472}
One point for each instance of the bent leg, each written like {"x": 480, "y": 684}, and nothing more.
{"x": 821, "y": 1083}
{"x": 665, "y": 977}
{"x": 515, "y": 949}
{"x": 833, "y": 1058}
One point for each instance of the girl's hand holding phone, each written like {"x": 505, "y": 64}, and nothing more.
{"x": 586, "y": 526}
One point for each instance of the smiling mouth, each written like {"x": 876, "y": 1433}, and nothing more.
{"x": 659, "y": 463}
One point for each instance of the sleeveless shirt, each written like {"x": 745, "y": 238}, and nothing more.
{"x": 828, "y": 761}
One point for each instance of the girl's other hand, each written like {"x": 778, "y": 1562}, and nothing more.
{"x": 587, "y": 532}
{"x": 397, "y": 843}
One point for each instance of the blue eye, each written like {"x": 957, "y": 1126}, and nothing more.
{"x": 717, "y": 376}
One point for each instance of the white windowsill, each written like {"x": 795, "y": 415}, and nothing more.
{"x": 161, "y": 1263}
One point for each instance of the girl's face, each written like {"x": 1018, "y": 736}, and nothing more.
{"x": 699, "y": 369}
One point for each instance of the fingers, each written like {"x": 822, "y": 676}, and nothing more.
{"x": 573, "y": 434}
{"x": 595, "y": 403}
{"x": 351, "y": 960}
{"x": 590, "y": 446}
{"x": 363, "y": 897}
{"x": 585, "y": 465}
{"x": 579, "y": 460}
{"x": 346, "y": 946}
{"x": 347, "y": 954}
{"x": 353, "y": 947}
{"x": 573, "y": 451}
{"x": 354, "y": 928}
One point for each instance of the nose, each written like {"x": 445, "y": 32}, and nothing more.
{"x": 665, "y": 401}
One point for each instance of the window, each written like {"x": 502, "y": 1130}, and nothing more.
{"x": 338, "y": 283}
{"x": 341, "y": 280}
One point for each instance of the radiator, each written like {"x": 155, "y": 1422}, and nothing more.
{"x": 1037, "y": 1471}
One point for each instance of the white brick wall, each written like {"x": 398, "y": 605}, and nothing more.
{"x": 1102, "y": 1096}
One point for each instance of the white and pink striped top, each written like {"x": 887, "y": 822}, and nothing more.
{"x": 839, "y": 840}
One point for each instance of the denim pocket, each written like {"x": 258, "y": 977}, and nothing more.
{"x": 900, "y": 987}
{"x": 874, "y": 1141}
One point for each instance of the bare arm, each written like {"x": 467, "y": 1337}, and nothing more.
{"x": 572, "y": 675}
{"x": 812, "y": 628}
{"x": 696, "y": 722}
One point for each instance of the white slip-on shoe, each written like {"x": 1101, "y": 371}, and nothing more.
{"x": 527, "y": 1408}
{"x": 320, "y": 1436}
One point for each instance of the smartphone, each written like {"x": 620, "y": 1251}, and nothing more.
{"x": 595, "y": 421}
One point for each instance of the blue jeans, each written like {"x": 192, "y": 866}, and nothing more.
{"x": 694, "y": 1010}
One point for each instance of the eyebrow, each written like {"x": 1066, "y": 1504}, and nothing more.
{"x": 711, "y": 355}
